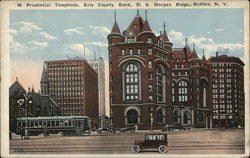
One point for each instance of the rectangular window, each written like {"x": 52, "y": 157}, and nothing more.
{"x": 139, "y": 51}
{"x": 150, "y": 75}
{"x": 150, "y": 87}
{"x": 110, "y": 52}
{"x": 150, "y": 64}
{"x": 130, "y": 51}
{"x": 123, "y": 52}
{"x": 150, "y": 98}
{"x": 149, "y": 50}
{"x": 149, "y": 40}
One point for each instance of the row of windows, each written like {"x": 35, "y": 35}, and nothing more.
{"x": 65, "y": 73}
{"x": 68, "y": 67}
{"x": 224, "y": 111}
{"x": 221, "y": 65}
{"x": 65, "y": 78}
{"x": 65, "y": 88}
{"x": 230, "y": 106}
{"x": 222, "y": 117}
{"x": 131, "y": 39}
{"x": 72, "y": 83}
{"x": 139, "y": 52}
{"x": 65, "y": 97}
{"x": 223, "y": 85}
{"x": 224, "y": 70}
{"x": 180, "y": 73}
{"x": 223, "y": 75}
{"x": 222, "y": 101}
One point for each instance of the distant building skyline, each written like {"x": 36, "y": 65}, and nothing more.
{"x": 56, "y": 34}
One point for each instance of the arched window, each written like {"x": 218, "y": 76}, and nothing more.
{"x": 187, "y": 118}
{"x": 131, "y": 82}
{"x": 160, "y": 116}
{"x": 203, "y": 99}
{"x": 177, "y": 116}
{"x": 160, "y": 83}
{"x": 182, "y": 90}
{"x": 132, "y": 116}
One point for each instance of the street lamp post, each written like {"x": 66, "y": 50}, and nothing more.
{"x": 25, "y": 101}
{"x": 151, "y": 121}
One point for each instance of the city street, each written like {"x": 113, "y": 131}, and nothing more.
{"x": 229, "y": 141}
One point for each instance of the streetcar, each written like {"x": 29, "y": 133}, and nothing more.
{"x": 66, "y": 125}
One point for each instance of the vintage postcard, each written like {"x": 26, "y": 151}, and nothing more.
{"x": 124, "y": 79}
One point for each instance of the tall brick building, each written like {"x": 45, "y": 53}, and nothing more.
{"x": 140, "y": 72}
{"x": 73, "y": 84}
{"x": 227, "y": 91}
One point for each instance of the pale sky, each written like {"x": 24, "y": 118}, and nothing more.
{"x": 39, "y": 35}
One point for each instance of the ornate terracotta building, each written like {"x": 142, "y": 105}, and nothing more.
{"x": 140, "y": 72}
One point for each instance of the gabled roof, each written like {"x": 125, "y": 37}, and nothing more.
{"x": 16, "y": 87}
{"x": 137, "y": 24}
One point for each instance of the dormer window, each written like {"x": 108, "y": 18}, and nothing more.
{"x": 149, "y": 40}
{"x": 131, "y": 37}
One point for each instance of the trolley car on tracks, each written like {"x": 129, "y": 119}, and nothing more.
{"x": 67, "y": 125}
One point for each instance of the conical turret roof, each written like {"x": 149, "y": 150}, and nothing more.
{"x": 164, "y": 35}
{"x": 146, "y": 27}
{"x": 203, "y": 57}
{"x": 115, "y": 28}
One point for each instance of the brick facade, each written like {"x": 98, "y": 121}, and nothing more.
{"x": 73, "y": 84}
{"x": 227, "y": 91}
{"x": 153, "y": 85}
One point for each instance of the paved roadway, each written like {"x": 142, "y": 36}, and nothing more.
{"x": 230, "y": 141}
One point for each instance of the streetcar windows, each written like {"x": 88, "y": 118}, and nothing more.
{"x": 44, "y": 123}
{"x": 23, "y": 124}
{"x": 65, "y": 123}
{"x": 36, "y": 124}
{"x": 19, "y": 124}
{"x": 48, "y": 123}
{"x": 61, "y": 123}
{"x": 40, "y": 123}
{"x": 57, "y": 123}
{"x": 31, "y": 124}
{"x": 69, "y": 122}
{"x": 53, "y": 123}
